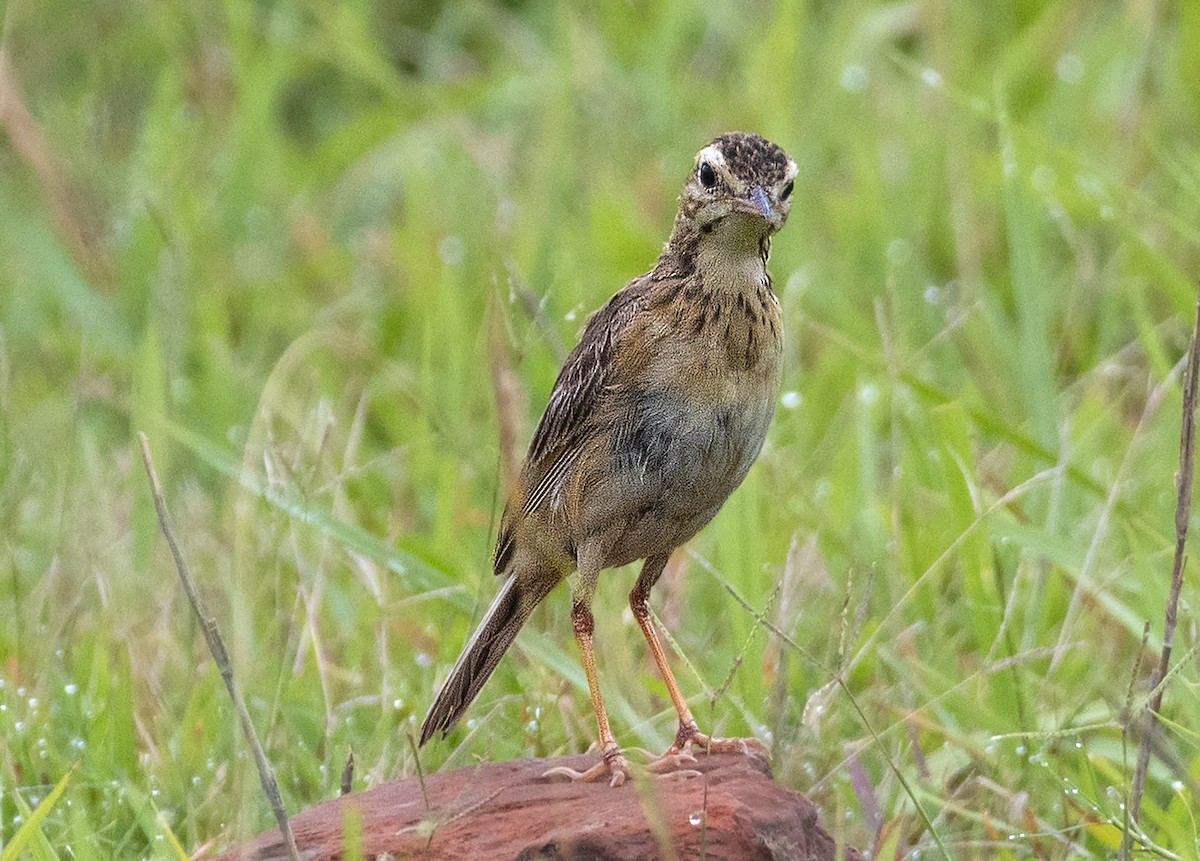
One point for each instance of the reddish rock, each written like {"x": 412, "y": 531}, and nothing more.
{"x": 505, "y": 810}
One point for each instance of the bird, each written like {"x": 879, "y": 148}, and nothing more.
{"x": 655, "y": 418}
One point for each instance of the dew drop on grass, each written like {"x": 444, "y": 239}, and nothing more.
{"x": 931, "y": 78}
{"x": 506, "y": 211}
{"x": 196, "y": 780}
{"x": 424, "y": 659}
{"x": 1089, "y": 185}
{"x": 451, "y": 250}
{"x": 71, "y": 689}
{"x": 899, "y": 251}
{"x": 1008, "y": 158}
{"x": 797, "y": 283}
{"x": 1043, "y": 178}
{"x": 696, "y": 818}
{"x": 397, "y": 704}
{"x": 790, "y": 400}
{"x": 854, "y": 78}
{"x": 1069, "y": 68}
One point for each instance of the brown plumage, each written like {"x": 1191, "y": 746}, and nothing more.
{"x": 655, "y": 418}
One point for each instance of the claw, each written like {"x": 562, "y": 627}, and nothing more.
{"x": 682, "y": 758}
{"x": 689, "y": 735}
{"x": 614, "y": 763}
{"x": 678, "y": 774}
{"x": 669, "y": 766}
{"x": 670, "y": 762}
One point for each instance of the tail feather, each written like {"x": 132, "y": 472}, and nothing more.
{"x": 508, "y": 612}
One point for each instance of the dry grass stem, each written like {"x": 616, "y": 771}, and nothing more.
{"x": 216, "y": 646}
{"x": 1183, "y": 508}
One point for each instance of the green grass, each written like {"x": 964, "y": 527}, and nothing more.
{"x": 311, "y": 237}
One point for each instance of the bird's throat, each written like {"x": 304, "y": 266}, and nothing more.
{"x": 733, "y": 259}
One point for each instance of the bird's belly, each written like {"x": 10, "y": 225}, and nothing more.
{"x": 675, "y": 462}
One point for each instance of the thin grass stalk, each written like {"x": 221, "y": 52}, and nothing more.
{"x": 216, "y": 646}
{"x": 1183, "y": 508}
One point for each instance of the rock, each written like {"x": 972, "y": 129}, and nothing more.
{"x": 506, "y": 810}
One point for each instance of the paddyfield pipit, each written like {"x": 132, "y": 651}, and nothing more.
{"x": 655, "y": 418}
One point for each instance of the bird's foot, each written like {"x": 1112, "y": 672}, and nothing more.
{"x": 689, "y": 734}
{"x": 613, "y": 764}
{"x": 669, "y": 766}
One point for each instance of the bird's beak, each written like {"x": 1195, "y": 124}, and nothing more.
{"x": 762, "y": 203}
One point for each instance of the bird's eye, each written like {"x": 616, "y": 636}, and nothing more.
{"x": 708, "y": 177}
{"x": 787, "y": 190}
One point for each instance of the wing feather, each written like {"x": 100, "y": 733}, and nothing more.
{"x": 573, "y": 410}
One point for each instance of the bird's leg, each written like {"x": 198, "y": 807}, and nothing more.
{"x": 689, "y": 733}
{"x": 614, "y": 762}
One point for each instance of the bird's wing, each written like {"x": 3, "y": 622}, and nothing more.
{"x": 569, "y": 419}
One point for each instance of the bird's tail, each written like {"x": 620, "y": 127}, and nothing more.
{"x": 512, "y": 606}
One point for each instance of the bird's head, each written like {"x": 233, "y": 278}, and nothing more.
{"x": 742, "y": 176}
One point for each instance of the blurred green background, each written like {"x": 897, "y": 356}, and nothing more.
{"x": 330, "y": 256}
